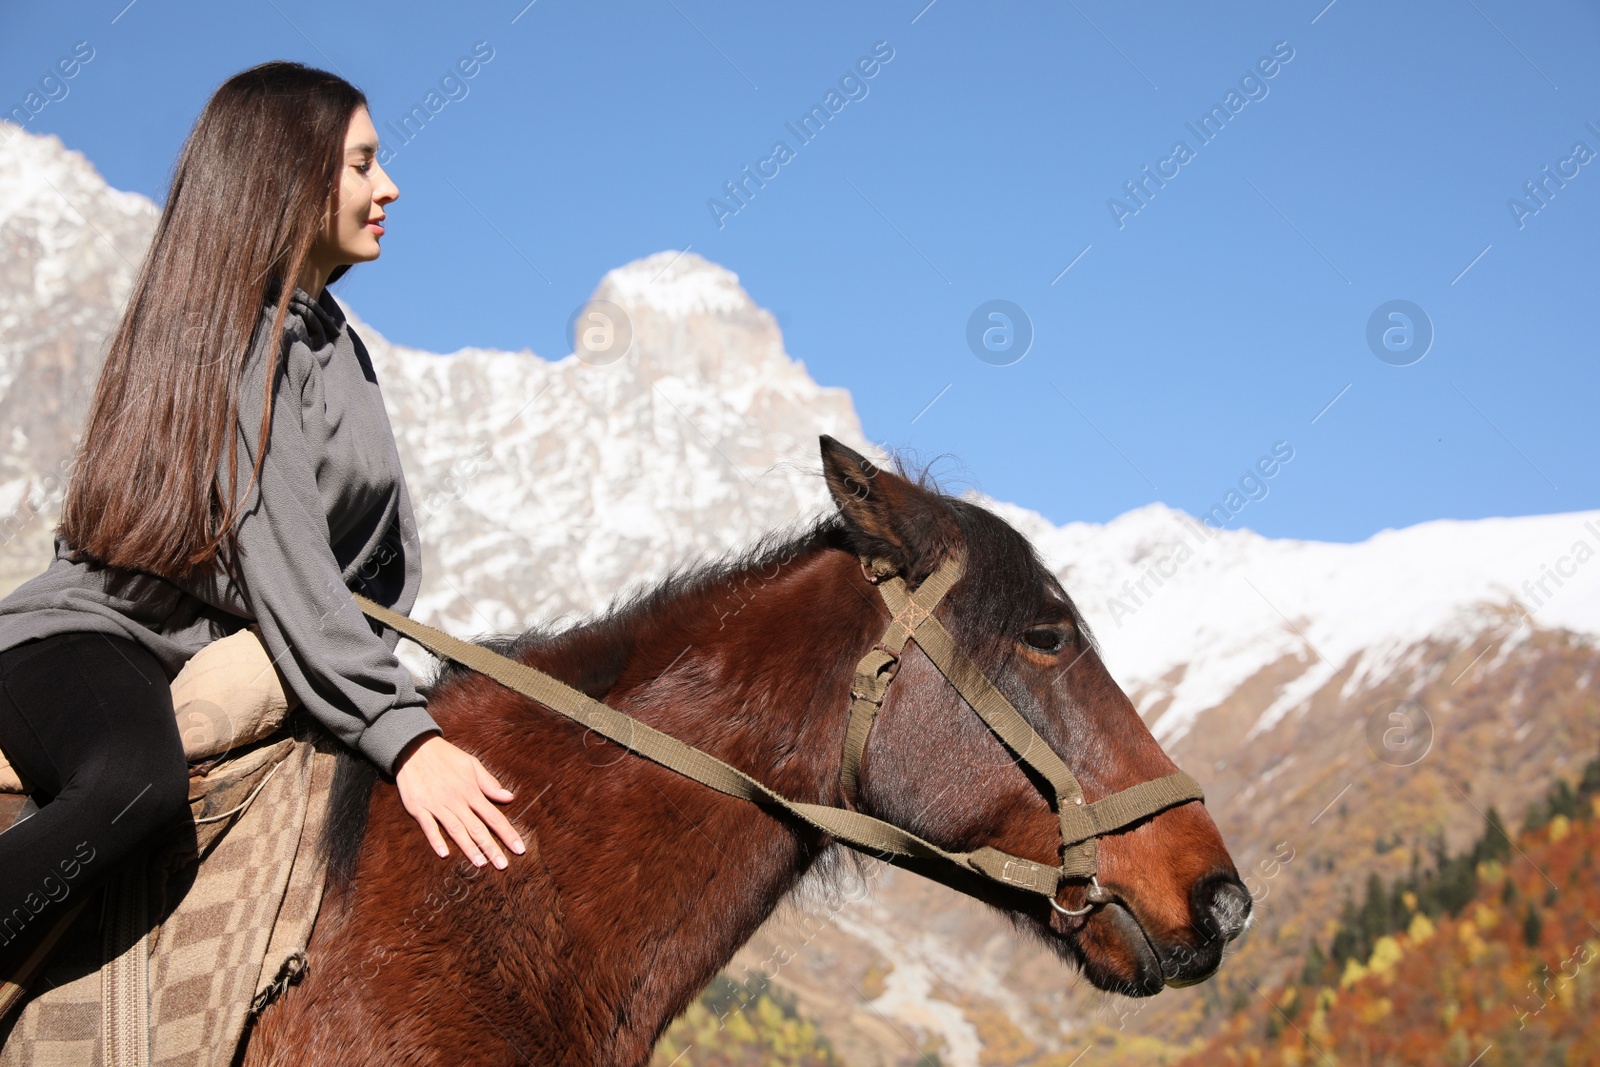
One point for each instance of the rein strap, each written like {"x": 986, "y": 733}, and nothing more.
{"x": 1080, "y": 823}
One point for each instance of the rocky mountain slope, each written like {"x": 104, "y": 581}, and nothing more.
{"x": 1338, "y": 701}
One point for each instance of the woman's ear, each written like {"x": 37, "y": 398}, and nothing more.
{"x": 885, "y": 514}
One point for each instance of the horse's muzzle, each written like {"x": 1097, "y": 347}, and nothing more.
{"x": 1221, "y": 907}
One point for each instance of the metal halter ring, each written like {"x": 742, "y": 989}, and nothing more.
{"x": 1095, "y": 895}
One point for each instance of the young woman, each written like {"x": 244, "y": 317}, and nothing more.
{"x": 232, "y": 364}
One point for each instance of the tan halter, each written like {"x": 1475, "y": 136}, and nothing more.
{"x": 1081, "y": 823}
{"x": 912, "y": 618}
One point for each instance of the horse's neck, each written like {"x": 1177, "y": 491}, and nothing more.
{"x": 756, "y": 670}
{"x": 663, "y": 878}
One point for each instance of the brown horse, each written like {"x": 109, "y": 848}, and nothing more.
{"x": 639, "y": 885}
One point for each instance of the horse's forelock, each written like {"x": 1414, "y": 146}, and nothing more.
{"x": 1007, "y": 587}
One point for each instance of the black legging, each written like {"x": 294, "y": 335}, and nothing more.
{"x": 87, "y": 719}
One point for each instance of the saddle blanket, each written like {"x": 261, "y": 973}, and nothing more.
{"x": 191, "y": 933}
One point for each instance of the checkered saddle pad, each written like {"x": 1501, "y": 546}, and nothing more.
{"x": 165, "y": 966}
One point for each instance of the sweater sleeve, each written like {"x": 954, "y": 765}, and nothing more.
{"x": 330, "y": 655}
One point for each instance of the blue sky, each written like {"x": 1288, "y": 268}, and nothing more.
{"x": 1188, "y": 337}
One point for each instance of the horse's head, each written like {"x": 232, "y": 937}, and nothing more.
{"x": 932, "y": 766}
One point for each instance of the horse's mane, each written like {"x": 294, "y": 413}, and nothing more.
{"x": 615, "y": 625}
{"x": 610, "y": 632}
{"x": 607, "y": 637}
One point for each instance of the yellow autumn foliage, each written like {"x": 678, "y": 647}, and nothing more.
{"x": 1354, "y": 971}
{"x": 752, "y": 1030}
{"x": 1386, "y": 952}
{"x": 1467, "y": 934}
{"x": 876, "y": 979}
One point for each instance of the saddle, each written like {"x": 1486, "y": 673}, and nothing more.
{"x": 187, "y": 940}
{"x": 228, "y": 695}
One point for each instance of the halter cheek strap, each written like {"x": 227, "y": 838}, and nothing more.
{"x": 912, "y": 618}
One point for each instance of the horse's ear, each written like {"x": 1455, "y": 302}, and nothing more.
{"x": 886, "y": 514}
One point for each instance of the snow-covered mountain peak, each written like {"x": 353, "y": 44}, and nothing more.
{"x": 1187, "y": 613}
{"x": 688, "y": 320}
{"x": 676, "y": 284}
{"x": 41, "y": 179}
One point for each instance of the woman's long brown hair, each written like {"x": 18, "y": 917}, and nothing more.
{"x": 252, "y": 189}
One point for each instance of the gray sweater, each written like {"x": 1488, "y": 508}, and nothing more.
{"x": 331, "y": 514}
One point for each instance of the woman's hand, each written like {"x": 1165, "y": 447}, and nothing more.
{"x": 442, "y": 786}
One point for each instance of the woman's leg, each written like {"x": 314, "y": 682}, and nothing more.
{"x": 86, "y": 718}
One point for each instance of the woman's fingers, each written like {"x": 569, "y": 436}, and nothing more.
{"x": 490, "y": 784}
{"x": 430, "y": 830}
{"x": 447, "y": 789}
{"x": 463, "y": 836}
{"x": 491, "y": 788}
{"x": 497, "y": 821}
{"x": 485, "y": 840}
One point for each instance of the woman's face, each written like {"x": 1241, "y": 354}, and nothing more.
{"x": 354, "y": 226}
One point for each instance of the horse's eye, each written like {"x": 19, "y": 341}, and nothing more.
{"x": 1045, "y": 638}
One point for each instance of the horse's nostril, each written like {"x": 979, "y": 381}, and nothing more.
{"x": 1228, "y": 909}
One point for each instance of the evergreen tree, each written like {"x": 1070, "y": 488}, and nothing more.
{"x": 1316, "y": 963}
{"x": 1399, "y": 914}
{"x": 1538, "y": 816}
{"x": 1563, "y": 801}
{"x": 1458, "y": 883}
{"x": 1345, "y": 946}
{"x": 1346, "y": 942}
{"x": 1496, "y": 842}
{"x": 1532, "y": 927}
{"x": 1374, "y": 913}
{"x": 1589, "y": 784}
